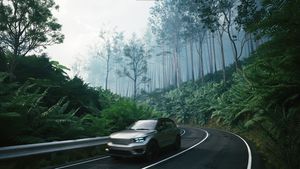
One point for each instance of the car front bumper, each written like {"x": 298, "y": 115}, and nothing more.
{"x": 131, "y": 150}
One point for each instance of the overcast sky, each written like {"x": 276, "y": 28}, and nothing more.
{"x": 82, "y": 20}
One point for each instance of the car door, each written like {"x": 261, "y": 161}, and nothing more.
{"x": 171, "y": 132}
{"x": 162, "y": 134}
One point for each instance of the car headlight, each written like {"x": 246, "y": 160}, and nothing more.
{"x": 139, "y": 139}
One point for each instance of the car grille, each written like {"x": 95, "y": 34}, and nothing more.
{"x": 121, "y": 141}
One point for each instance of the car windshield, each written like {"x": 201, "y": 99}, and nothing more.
{"x": 143, "y": 125}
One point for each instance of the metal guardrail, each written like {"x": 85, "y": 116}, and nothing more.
{"x": 40, "y": 148}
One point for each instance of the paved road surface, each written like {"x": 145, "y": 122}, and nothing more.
{"x": 201, "y": 149}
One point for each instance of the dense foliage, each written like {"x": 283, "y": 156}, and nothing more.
{"x": 264, "y": 96}
{"x": 26, "y": 26}
{"x": 39, "y": 102}
{"x": 44, "y": 104}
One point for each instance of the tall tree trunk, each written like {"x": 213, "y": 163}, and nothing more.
{"x": 235, "y": 53}
{"x": 172, "y": 69}
{"x": 249, "y": 46}
{"x": 251, "y": 43}
{"x": 168, "y": 71}
{"x": 164, "y": 67}
{"x": 178, "y": 71}
{"x": 214, "y": 52}
{"x": 149, "y": 84}
{"x": 161, "y": 80}
{"x": 157, "y": 77}
{"x": 134, "y": 89}
{"x": 127, "y": 93}
{"x": 178, "y": 77}
{"x": 154, "y": 77}
{"x": 175, "y": 67}
{"x": 209, "y": 55}
{"x": 116, "y": 86}
{"x": 12, "y": 62}
{"x": 176, "y": 63}
{"x": 107, "y": 71}
{"x": 192, "y": 60}
{"x": 187, "y": 62}
{"x": 200, "y": 54}
{"x": 222, "y": 54}
{"x": 201, "y": 61}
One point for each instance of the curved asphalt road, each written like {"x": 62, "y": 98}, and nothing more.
{"x": 201, "y": 149}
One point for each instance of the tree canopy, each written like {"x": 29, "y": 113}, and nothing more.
{"x": 26, "y": 26}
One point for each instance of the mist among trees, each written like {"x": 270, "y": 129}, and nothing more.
{"x": 229, "y": 64}
{"x": 186, "y": 45}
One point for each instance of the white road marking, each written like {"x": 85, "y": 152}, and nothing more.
{"x": 71, "y": 165}
{"x": 249, "y": 165}
{"x": 175, "y": 155}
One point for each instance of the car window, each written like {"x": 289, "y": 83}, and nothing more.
{"x": 144, "y": 125}
{"x": 161, "y": 125}
{"x": 169, "y": 124}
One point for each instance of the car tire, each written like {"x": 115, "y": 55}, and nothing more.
{"x": 177, "y": 143}
{"x": 152, "y": 151}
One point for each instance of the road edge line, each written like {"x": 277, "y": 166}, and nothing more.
{"x": 249, "y": 165}
{"x": 175, "y": 155}
{"x": 83, "y": 162}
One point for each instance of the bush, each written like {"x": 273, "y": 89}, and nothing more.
{"x": 123, "y": 113}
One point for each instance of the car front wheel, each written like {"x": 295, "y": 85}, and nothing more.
{"x": 177, "y": 143}
{"x": 152, "y": 151}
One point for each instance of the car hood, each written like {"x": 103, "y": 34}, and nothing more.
{"x": 129, "y": 134}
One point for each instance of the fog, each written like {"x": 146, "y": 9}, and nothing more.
{"x": 178, "y": 52}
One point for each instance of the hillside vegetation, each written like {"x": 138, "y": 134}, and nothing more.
{"x": 43, "y": 104}
{"x": 261, "y": 99}
{"x": 258, "y": 97}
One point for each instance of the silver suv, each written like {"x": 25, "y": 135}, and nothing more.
{"x": 144, "y": 138}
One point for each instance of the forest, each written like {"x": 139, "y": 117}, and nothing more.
{"x": 228, "y": 64}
